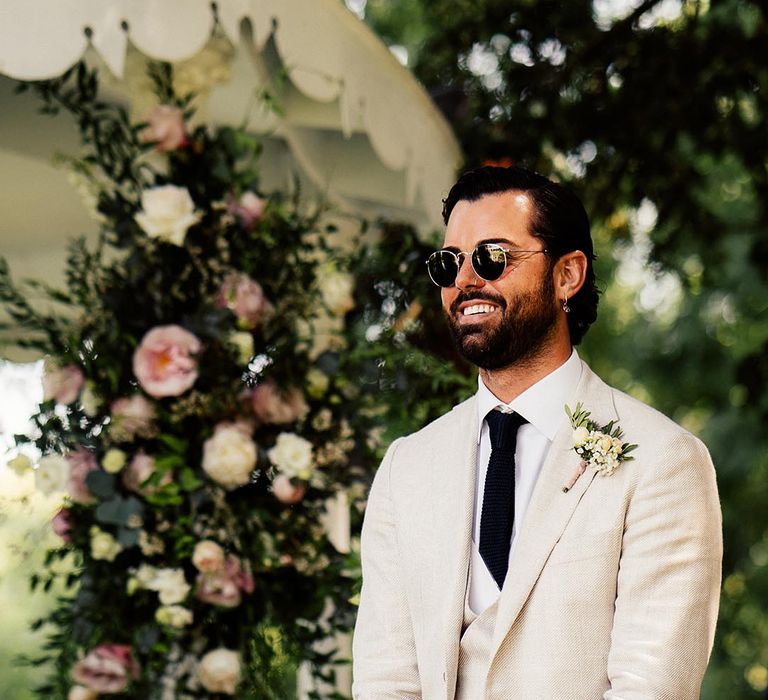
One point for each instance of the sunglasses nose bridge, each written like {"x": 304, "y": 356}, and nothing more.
{"x": 467, "y": 275}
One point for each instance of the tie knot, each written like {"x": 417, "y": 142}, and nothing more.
{"x": 503, "y": 429}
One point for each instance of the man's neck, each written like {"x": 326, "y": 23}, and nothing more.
{"x": 507, "y": 383}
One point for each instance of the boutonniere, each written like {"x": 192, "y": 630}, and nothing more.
{"x": 599, "y": 447}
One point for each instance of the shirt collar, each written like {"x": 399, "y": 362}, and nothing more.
{"x": 542, "y": 404}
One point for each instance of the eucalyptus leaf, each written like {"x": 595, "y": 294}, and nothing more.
{"x": 100, "y": 483}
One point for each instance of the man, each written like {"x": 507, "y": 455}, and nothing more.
{"x": 499, "y": 562}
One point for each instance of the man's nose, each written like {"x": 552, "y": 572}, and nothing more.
{"x": 467, "y": 277}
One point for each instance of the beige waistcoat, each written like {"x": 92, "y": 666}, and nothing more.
{"x": 475, "y": 650}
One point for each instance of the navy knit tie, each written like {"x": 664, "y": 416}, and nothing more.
{"x": 499, "y": 496}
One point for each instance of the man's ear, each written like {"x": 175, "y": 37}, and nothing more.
{"x": 569, "y": 274}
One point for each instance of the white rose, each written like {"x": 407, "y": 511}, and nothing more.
{"x": 145, "y": 575}
{"x": 208, "y": 556}
{"x": 616, "y": 445}
{"x": 114, "y": 460}
{"x": 219, "y": 671}
{"x": 170, "y": 585}
{"x": 21, "y": 464}
{"x": 167, "y": 212}
{"x": 336, "y": 289}
{"x": 580, "y": 436}
{"x": 103, "y": 545}
{"x": 173, "y": 616}
{"x": 52, "y": 474}
{"x": 292, "y": 455}
{"x": 229, "y": 456}
{"x": 243, "y": 343}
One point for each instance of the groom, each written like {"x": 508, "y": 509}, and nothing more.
{"x": 498, "y": 562}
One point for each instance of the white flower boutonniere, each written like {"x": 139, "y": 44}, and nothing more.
{"x": 599, "y": 447}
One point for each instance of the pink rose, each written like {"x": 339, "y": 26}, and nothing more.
{"x": 249, "y": 208}
{"x": 285, "y": 491}
{"x": 272, "y": 406}
{"x": 61, "y": 524}
{"x": 81, "y": 463}
{"x": 208, "y": 556}
{"x": 140, "y": 468}
{"x": 245, "y": 298}
{"x": 165, "y": 125}
{"x": 107, "y": 668}
{"x": 62, "y": 383}
{"x": 224, "y": 587}
{"x": 219, "y": 589}
{"x": 234, "y": 569}
{"x": 163, "y": 362}
{"x": 133, "y": 415}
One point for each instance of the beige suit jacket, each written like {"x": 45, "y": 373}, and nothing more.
{"x": 612, "y": 590}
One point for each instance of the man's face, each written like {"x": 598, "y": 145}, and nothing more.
{"x": 500, "y": 323}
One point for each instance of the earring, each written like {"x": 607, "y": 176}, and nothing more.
{"x": 566, "y": 308}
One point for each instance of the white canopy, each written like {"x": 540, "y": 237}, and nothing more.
{"x": 353, "y": 124}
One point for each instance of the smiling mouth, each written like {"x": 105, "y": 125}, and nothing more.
{"x": 477, "y": 309}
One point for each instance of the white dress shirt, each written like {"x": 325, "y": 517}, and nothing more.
{"x": 543, "y": 406}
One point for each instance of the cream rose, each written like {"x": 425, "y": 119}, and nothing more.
{"x": 229, "y": 455}
{"x": 219, "y": 671}
{"x": 336, "y": 289}
{"x": 170, "y": 585}
{"x": 113, "y": 460}
{"x": 292, "y": 455}
{"x": 208, "y": 556}
{"x": 166, "y": 213}
{"x": 605, "y": 443}
{"x": 103, "y": 545}
{"x": 242, "y": 341}
{"x": 52, "y": 474}
{"x": 173, "y": 616}
{"x": 580, "y": 436}
{"x": 317, "y": 383}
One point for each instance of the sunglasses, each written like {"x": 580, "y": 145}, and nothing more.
{"x": 489, "y": 260}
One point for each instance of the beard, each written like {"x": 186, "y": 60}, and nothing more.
{"x": 527, "y": 322}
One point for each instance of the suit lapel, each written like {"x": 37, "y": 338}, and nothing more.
{"x": 550, "y": 509}
{"x": 456, "y": 481}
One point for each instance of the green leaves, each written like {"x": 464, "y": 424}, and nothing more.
{"x": 119, "y": 511}
{"x": 101, "y": 484}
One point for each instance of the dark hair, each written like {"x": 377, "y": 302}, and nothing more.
{"x": 558, "y": 219}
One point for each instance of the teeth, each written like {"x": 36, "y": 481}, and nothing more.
{"x": 478, "y": 309}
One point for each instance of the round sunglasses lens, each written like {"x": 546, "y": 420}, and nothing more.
{"x": 443, "y": 268}
{"x": 489, "y": 261}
